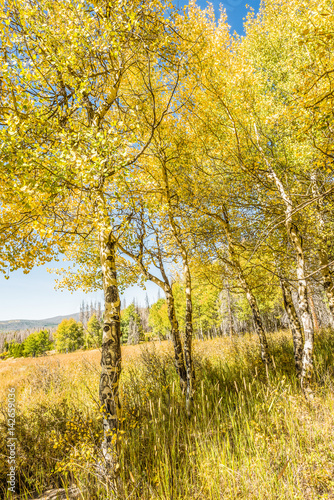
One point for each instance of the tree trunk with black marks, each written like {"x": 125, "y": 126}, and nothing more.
{"x": 188, "y": 339}
{"x": 306, "y": 319}
{"x": 295, "y": 326}
{"x": 175, "y": 333}
{"x": 111, "y": 354}
{"x": 304, "y": 310}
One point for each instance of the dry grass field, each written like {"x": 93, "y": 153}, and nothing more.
{"x": 252, "y": 434}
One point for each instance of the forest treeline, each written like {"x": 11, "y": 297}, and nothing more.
{"x": 219, "y": 314}
{"x": 147, "y": 143}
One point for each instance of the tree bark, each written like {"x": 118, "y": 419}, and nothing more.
{"x": 201, "y": 330}
{"x": 175, "y": 332}
{"x": 111, "y": 353}
{"x": 306, "y": 319}
{"x": 295, "y": 326}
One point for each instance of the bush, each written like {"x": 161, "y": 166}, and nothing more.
{"x": 37, "y": 343}
{"x": 14, "y": 349}
{"x": 69, "y": 335}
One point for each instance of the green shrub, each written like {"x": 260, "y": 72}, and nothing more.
{"x": 37, "y": 343}
{"x": 15, "y": 349}
{"x": 69, "y": 335}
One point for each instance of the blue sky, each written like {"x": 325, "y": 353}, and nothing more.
{"x": 236, "y": 10}
{"x": 32, "y": 296}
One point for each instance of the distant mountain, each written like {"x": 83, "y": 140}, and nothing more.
{"x": 34, "y": 324}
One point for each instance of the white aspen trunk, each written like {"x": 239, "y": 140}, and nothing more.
{"x": 322, "y": 250}
{"x": 295, "y": 326}
{"x": 111, "y": 354}
{"x": 175, "y": 333}
{"x": 296, "y": 240}
{"x": 306, "y": 319}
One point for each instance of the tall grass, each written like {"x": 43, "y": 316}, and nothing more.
{"x": 252, "y": 434}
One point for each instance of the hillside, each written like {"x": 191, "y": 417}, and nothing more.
{"x": 33, "y": 324}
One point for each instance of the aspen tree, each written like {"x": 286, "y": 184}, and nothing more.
{"x": 167, "y": 160}
{"x": 296, "y": 329}
{"x": 149, "y": 253}
{"x": 84, "y": 94}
